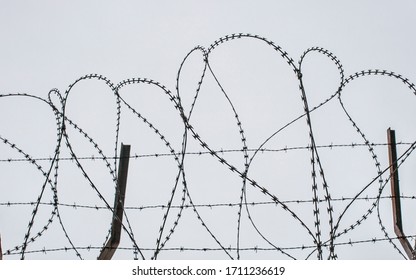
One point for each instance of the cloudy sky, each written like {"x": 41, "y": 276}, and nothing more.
{"x": 50, "y": 44}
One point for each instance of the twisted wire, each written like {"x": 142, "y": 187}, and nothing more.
{"x": 180, "y": 187}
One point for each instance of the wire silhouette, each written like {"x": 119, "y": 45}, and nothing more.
{"x": 322, "y": 246}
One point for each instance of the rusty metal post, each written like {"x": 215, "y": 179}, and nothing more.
{"x": 395, "y": 195}
{"x": 112, "y": 244}
{"x": 1, "y": 252}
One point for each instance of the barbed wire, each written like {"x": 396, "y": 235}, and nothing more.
{"x": 200, "y": 153}
{"x": 213, "y": 205}
{"x": 255, "y": 249}
{"x": 320, "y": 187}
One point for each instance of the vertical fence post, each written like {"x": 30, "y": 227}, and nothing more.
{"x": 1, "y": 252}
{"x": 395, "y": 195}
{"x": 112, "y": 244}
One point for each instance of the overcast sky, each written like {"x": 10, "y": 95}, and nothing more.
{"x": 50, "y": 44}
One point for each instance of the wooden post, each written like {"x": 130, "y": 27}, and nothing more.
{"x": 395, "y": 195}
{"x": 112, "y": 244}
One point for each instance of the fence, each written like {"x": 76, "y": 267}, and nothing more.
{"x": 234, "y": 163}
